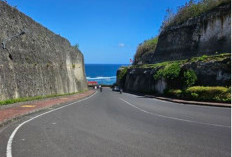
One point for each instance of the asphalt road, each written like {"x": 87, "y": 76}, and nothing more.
{"x": 110, "y": 124}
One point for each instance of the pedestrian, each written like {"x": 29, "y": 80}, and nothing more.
{"x": 100, "y": 88}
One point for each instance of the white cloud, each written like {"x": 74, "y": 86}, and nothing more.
{"x": 121, "y": 45}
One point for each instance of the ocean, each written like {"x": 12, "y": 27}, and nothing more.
{"x": 102, "y": 73}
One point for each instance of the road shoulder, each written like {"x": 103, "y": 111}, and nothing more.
{"x": 191, "y": 102}
{"x": 16, "y": 111}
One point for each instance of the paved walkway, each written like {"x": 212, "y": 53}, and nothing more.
{"x": 21, "y": 109}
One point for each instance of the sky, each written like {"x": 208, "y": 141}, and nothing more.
{"x": 107, "y": 31}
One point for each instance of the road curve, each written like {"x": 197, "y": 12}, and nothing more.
{"x": 110, "y": 124}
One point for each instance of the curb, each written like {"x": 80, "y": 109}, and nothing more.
{"x": 7, "y": 121}
{"x": 200, "y": 103}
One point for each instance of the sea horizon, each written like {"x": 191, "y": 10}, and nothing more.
{"x": 102, "y": 73}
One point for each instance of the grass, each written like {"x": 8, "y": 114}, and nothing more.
{"x": 204, "y": 58}
{"x": 148, "y": 46}
{"x": 191, "y": 9}
{"x": 24, "y": 99}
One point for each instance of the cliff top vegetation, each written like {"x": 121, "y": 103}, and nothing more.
{"x": 203, "y": 58}
{"x": 148, "y": 46}
{"x": 191, "y": 9}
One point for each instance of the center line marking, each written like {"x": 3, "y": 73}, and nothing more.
{"x": 174, "y": 118}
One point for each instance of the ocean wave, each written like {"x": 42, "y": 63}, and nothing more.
{"x": 101, "y": 78}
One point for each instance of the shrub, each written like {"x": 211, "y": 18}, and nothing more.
{"x": 194, "y": 95}
{"x": 170, "y": 71}
{"x": 148, "y": 46}
{"x": 202, "y": 58}
{"x": 221, "y": 94}
{"x": 189, "y": 78}
{"x": 174, "y": 92}
{"x": 122, "y": 72}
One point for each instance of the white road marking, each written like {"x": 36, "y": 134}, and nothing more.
{"x": 182, "y": 104}
{"x": 10, "y": 140}
{"x": 174, "y": 118}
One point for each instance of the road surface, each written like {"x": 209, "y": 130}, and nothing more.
{"x": 110, "y": 124}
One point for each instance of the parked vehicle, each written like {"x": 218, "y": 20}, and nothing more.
{"x": 115, "y": 88}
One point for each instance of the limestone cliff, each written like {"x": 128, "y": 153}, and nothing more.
{"x": 34, "y": 61}
{"x": 207, "y": 34}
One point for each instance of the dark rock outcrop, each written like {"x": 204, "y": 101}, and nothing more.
{"x": 34, "y": 61}
{"x": 209, "y": 73}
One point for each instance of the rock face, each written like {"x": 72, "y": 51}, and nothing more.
{"x": 207, "y": 34}
{"x": 34, "y": 61}
{"x": 209, "y": 73}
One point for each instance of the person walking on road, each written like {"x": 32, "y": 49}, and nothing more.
{"x": 100, "y": 88}
{"x": 120, "y": 90}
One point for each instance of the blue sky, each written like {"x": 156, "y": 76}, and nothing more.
{"x": 107, "y": 31}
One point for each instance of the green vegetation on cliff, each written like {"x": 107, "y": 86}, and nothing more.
{"x": 145, "y": 48}
{"x": 170, "y": 71}
{"x": 190, "y": 10}
{"x": 190, "y": 78}
{"x": 203, "y": 58}
{"x": 183, "y": 76}
{"x": 194, "y": 9}
{"x": 123, "y": 71}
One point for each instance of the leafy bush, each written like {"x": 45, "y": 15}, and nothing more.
{"x": 122, "y": 73}
{"x": 189, "y": 78}
{"x": 189, "y": 10}
{"x": 174, "y": 92}
{"x": 170, "y": 71}
{"x": 220, "y": 94}
{"x": 194, "y": 95}
{"x": 148, "y": 46}
{"x": 202, "y": 58}
{"x": 201, "y": 93}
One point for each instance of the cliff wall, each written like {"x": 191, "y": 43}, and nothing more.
{"x": 34, "y": 61}
{"x": 208, "y": 34}
{"x": 209, "y": 71}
